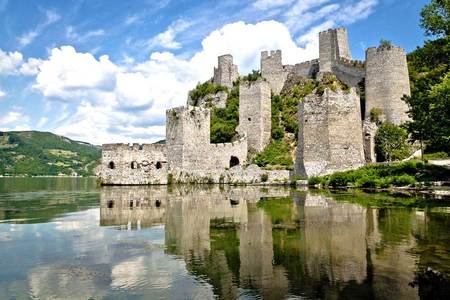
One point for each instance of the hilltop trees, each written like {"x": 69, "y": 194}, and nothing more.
{"x": 435, "y": 18}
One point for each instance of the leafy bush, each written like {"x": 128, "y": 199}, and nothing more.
{"x": 253, "y": 76}
{"x": 276, "y": 153}
{"x": 314, "y": 180}
{"x": 264, "y": 177}
{"x": 436, "y": 155}
{"x": 391, "y": 142}
{"x": 225, "y": 120}
{"x": 375, "y": 114}
{"x": 366, "y": 182}
{"x": 206, "y": 88}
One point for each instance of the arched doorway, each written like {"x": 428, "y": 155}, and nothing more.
{"x": 134, "y": 165}
{"x": 234, "y": 161}
{"x": 158, "y": 165}
{"x": 111, "y": 165}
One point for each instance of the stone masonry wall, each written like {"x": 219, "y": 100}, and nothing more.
{"x": 226, "y": 72}
{"x": 188, "y": 142}
{"x": 350, "y": 72}
{"x": 134, "y": 164}
{"x": 272, "y": 70}
{"x": 387, "y": 80}
{"x": 255, "y": 113}
{"x": 333, "y": 44}
{"x": 330, "y": 135}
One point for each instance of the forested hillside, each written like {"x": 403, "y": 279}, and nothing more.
{"x": 44, "y": 153}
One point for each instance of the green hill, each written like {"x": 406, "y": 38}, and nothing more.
{"x": 44, "y": 153}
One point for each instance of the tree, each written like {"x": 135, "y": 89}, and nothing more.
{"x": 385, "y": 43}
{"x": 391, "y": 142}
{"x": 435, "y": 18}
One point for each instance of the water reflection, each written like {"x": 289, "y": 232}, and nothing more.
{"x": 278, "y": 243}
{"x": 205, "y": 242}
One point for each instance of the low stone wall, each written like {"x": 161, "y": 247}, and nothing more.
{"x": 133, "y": 164}
{"x": 350, "y": 72}
{"x": 251, "y": 174}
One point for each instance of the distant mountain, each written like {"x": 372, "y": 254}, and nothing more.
{"x": 45, "y": 153}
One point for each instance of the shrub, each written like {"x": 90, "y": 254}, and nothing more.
{"x": 391, "y": 142}
{"x": 169, "y": 178}
{"x": 339, "y": 179}
{"x": 375, "y": 114}
{"x": 367, "y": 182}
{"x": 314, "y": 180}
{"x": 206, "y": 88}
{"x": 264, "y": 177}
{"x": 276, "y": 153}
{"x": 436, "y": 155}
{"x": 253, "y": 76}
{"x": 403, "y": 180}
{"x": 225, "y": 120}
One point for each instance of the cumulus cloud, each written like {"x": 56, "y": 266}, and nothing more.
{"x": 10, "y": 61}
{"x": 31, "y": 67}
{"x": 166, "y": 39}
{"x": 122, "y": 104}
{"x": 2, "y": 94}
{"x": 12, "y": 118}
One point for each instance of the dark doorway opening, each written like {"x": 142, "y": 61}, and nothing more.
{"x": 134, "y": 165}
{"x": 111, "y": 165}
{"x": 158, "y": 165}
{"x": 234, "y": 161}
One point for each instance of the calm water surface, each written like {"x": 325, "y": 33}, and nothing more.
{"x": 64, "y": 238}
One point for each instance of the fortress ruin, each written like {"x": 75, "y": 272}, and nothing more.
{"x": 335, "y": 130}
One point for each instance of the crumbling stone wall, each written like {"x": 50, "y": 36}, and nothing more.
{"x": 308, "y": 69}
{"x": 255, "y": 113}
{"x": 330, "y": 135}
{"x": 272, "y": 70}
{"x": 350, "y": 72}
{"x": 188, "y": 143}
{"x": 226, "y": 72}
{"x": 218, "y": 100}
{"x": 387, "y": 80}
{"x": 134, "y": 164}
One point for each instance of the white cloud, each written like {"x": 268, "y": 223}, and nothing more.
{"x": 267, "y": 4}
{"x": 9, "y": 62}
{"x": 69, "y": 75}
{"x": 166, "y": 39}
{"x": 2, "y": 94}
{"x": 118, "y": 104}
{"x": 75, "y": 36}
{"x": 27, "y": 38}
{"x": 42, "y": 121}
{"x": 31, "y": 67}
{"x": 12, "y": 118}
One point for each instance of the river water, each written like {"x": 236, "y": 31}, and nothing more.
{"x": 63, "y": 238}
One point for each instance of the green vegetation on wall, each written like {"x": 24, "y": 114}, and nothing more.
{"x": 43, "y": 153}
{"x": 225, "y": 120}
{"x": 206, "y": 88}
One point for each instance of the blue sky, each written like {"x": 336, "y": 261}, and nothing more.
{"x": 105, "y": 71}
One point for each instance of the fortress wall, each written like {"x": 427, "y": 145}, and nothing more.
{"x": 307, "y": 69}
{"x": 330, "y": 134}
{"x": 134, "y": 164}
{"x": 345, "y": 131}
{"x": 313, "y": 140}
{"x": 255, "y": 113}
{"x": 333, "y": 45}
{"x": 272, "y": 70}
{"x": 188, "y": 142}
{"x": 350, "y": 72}
{"x": 343, "y": 48}
{"x": 387, "y": 80}
{"x": 226, "y": 72}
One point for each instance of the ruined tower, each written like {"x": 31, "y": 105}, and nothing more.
{"x": 255, "y": 113}
{"x": 333, "y": 45}
{"x": 387, "y": 80}
{"x": 187, "y": 132}
{"x": 226, "y": 72}
{"x": 330, "y": 135}
{"x": 272, "y": 70}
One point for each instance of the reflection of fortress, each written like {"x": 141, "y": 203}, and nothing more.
{"x": 240, "y": 244}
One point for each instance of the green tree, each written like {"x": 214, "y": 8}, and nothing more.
{"x": 435, "y": 18}
{"x": 391, "y": 142}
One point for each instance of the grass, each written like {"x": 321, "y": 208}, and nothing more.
{"x": 277, "y": 153}
{"x": 204, "y": 89}
{"x": 384, "y": 175}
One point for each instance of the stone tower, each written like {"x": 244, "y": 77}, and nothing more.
{"x": 255, "y": 113}
{"x": 187, "y": 131}
{"x": 387, "y": 80}
{"x": 333, "y": 45}
{"x": 226, "y": 72}
{"x": 330, "y": 135}
{"x": 272, "y": 70}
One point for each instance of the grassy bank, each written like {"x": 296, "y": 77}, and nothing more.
{"x": 411, "y": 173}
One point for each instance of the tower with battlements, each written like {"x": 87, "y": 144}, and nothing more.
{"x": 333, "y": 45}
{"x": 272, "y": 70}
{"x": 226, "y": 72}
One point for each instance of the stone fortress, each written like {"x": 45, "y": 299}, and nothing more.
{"x": 335, "y": 132}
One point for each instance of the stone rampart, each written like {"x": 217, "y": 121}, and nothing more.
{"x": 307, "y": 69}
{"x": 350, "y": 72}
{"x": 387, "y": 80}
{"x": 333, "y": 45}
{"x": 134, "y": 164}
{"x": 255, "y": 113}
{"x": 330, "y": 135}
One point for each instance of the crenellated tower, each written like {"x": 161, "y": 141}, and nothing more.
{"x": 272, "y": 70}
{"x": 333, "y": 45}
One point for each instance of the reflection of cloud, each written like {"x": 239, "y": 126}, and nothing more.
{"x": 78, "y": 222}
